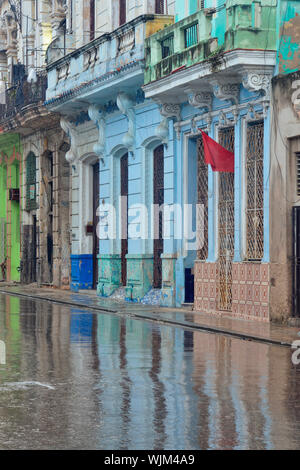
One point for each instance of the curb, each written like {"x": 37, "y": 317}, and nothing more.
{"x": 182, "y": 324}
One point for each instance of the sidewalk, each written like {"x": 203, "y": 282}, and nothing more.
{"x": 243, "y": 329}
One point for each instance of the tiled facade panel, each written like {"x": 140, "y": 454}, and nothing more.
{"x": 250, "y": 290}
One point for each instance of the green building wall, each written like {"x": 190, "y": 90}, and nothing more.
{"x": 10, "y": 160}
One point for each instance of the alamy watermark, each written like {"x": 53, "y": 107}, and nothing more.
{"x": 137, "y": 221}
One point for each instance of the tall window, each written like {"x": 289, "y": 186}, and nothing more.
{"x": 31, "y": 182}
{"x": 159, "y": 7}
{"x": 122, "y": 15}
{"x": 92, "y": 19}
{"x": 255, "y": 190}
{"x": 226, "y": 224}
{"x": 158, "y": 200}
{"x": 202, "y": 178}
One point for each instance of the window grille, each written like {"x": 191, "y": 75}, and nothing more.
{"x": 31, "y": 182}
{"x": 255, "y": 193}
{"x": 167, "y": 47}
{"x": 226, "y": 225}
{"x": 202, "y": 199}
{"x": 191, "y": 35}
{"x": 159, "y": 7}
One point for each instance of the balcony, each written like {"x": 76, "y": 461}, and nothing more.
{"x": 114, "y": 62}
{"x": 23, "y": 96}
{"x": 208, "y": 34}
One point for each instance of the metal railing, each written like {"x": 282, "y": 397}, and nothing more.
{"x": 23, "y": 94}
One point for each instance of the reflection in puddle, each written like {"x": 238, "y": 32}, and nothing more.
{"x": 83, "y": 380}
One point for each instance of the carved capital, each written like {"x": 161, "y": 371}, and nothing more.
{"x": 126, "y": 106}
{"x": 257, "y": 81}
{"x": 68, "y": 128}
{"x": 97, "y": 115}
{"x": 227, "y": 91}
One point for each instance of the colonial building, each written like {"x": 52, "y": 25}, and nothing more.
{"x": 116, "y": 157}
{"x": 35, "y": 236}
{"x": 212, "y": 71}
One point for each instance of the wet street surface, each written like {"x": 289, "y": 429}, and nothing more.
{"x": 79, "y": 380}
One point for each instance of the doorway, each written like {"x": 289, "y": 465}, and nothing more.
{"x": 96, "y": 201}
{"x": 124, "y": 217}
{"x": 226, "y": 225}
{"x": 158, "y": 200}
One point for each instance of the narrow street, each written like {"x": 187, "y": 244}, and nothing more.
{"x": 75, "y": 379}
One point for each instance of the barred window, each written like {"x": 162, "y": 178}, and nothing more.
{"x": 226, "y": 224}
{"x": 167, "y": 47}
{"x": 191, "y": 35}
{"x": 202, "y": 184}
{"x": 159, "y": 7}
{"x": 31, "y": 182}
{"x": 255, "y": 191}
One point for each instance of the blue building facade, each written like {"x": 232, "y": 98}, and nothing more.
{"x": 113, "y": 139}
{"x": 151, "y": 222}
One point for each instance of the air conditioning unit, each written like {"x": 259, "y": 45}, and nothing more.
{"x": 14, "y": 194}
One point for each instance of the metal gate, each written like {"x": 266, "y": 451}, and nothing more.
{"x": 202, "y": 184}
{"x": 158, "y": 200}
{"x": 226, "y": 225}
{"x": 255, "y": 190}
{"x": 124, "y": 217}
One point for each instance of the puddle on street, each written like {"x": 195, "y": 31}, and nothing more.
{"x": 79, "y": 380}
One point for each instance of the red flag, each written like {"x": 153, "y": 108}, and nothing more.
{"x": 217, "y": 156}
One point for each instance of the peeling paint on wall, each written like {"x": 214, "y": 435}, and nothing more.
{"x": 289, "y": 52}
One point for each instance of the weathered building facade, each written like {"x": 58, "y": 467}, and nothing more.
{"x": 215, "y": 75}
{"x": 37, "y": 236}
{"x": 114, "y": 150}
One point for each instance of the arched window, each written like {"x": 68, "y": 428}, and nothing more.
{"x": 31, "y": 182}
